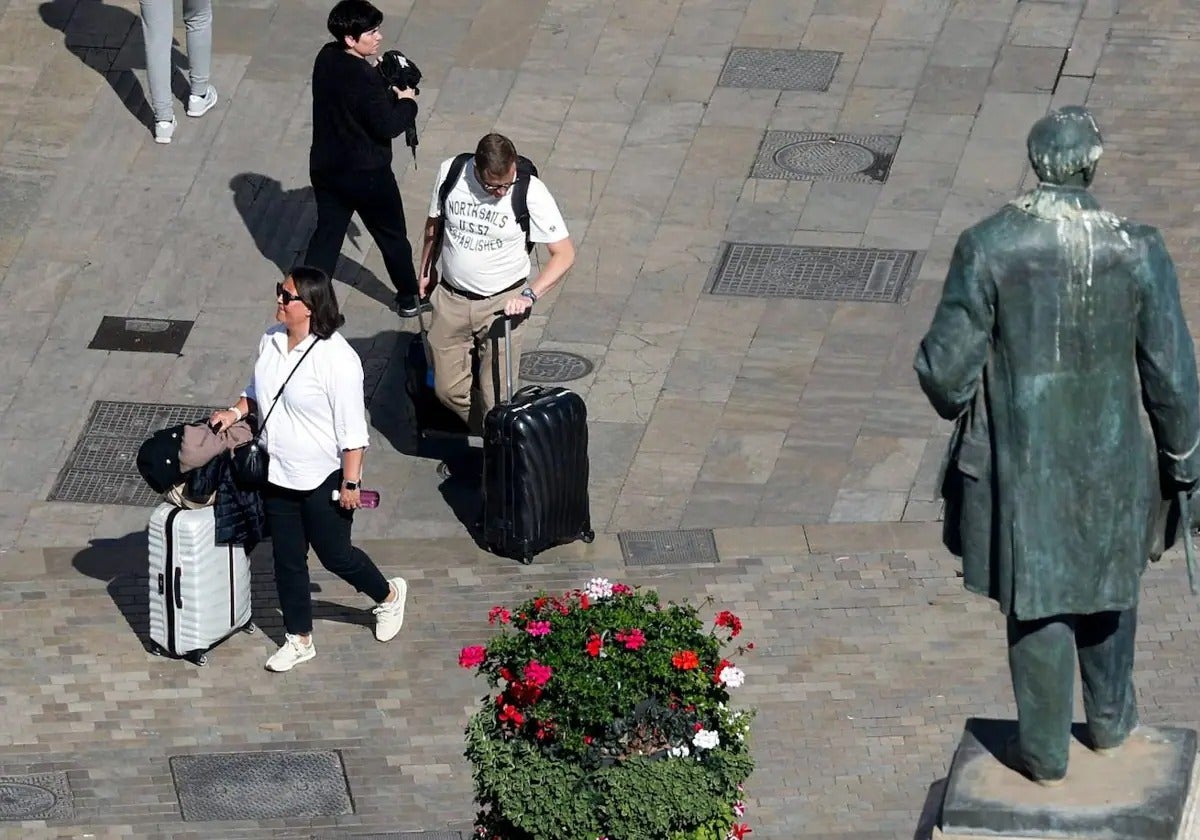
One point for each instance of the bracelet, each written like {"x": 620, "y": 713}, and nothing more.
{"x": 237, "y": 412}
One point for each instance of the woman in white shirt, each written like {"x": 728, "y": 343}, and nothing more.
{"x": 316, "y": 437}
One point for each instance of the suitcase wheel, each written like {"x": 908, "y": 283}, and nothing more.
{"x": 199, "y": 659}
{"x": 156, "y": 649}
{"x": 588, "y": 535}
{"x": 526, "y": 559}
{"x": 250, "y": 627}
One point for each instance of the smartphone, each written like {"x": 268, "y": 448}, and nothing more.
{"x": 366, "y": 498}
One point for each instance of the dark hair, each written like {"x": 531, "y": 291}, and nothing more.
{"x": 351, "y": 18}
{"x": 495, "y": 154}
{"x": 316, "y": 291}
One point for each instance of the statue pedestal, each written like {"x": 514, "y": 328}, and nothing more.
{"x": 1144, "y": 792}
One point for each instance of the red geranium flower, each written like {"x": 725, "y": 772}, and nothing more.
{"x": 511, "y": 714}
{"x": 538, "y": 628}
{"x": 584, "y": 601}
{"x": 537, "y": 673}
{"x": 632, "y": 639}
{"x": 725, "y": 663}
{"x": 621, "y": 589}
{"x": 500, "y": 614}
{"x": 685, "y": 660}
{"x": 594, "y": 644}
{"x": 739, "y": 831}
{"x": 727, "y": 619}
{"x": 471, "y": 656}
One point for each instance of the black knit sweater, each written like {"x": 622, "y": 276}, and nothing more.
{"x": 355, "y": 114}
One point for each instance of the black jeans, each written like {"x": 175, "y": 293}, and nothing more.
{"x": 1041, "y": 657}
{"x": 374, "y": 195}
{"x": 300, "y": 518}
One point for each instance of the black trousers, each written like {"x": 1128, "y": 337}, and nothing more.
{"x": 374, "y": 195}
{"x": 1041, "y": 657}
{"x": 300, "y": 518}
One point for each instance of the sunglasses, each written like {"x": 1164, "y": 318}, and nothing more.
{"x": 493, "y": 188}
{"x": 284, "y": 295}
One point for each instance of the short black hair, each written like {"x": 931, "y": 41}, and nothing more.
{"x": 316, "y": 291}
{"x": 351, "y": 18}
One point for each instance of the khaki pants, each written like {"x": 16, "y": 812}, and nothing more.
{"x": 461, "y": 327}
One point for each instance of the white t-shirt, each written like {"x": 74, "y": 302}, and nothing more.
{"x": 320, "y": 413}
{"x": 483, "y": 250}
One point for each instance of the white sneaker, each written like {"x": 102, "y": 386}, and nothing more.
{"x": 198, "y": 106}
{"x": 164, "y": 130}
{"x": 389, "y": 616}
{"x": 291, "y": 653}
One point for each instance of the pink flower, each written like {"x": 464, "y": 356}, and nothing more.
{"x": 471, "y": 656}
{"x": 621, "y": 589}
{"x": 537, "y": 673}
{"x": 538, "y": 628}
{"x": 632, "y": 639}
{"x": 739, "y": 808}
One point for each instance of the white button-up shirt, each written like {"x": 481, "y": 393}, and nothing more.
{"x": 320, "y": 413}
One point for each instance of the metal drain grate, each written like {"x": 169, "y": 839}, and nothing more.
{"x": 260, "y": 785}
{"x": 38, "y": 796}
{"x": 808, "y": 156}
{"x": 542, "y": 366}
{"x": 102, "y": 468}
{"x": 795, "y": 271}
{"x": 141, "y": 335}
{"x": 752, "y": 67}
{"x": 668, "y": 548}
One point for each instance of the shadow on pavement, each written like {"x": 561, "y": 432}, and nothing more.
{"x": 280, "y": 221}
{"x": 108, "y": 39}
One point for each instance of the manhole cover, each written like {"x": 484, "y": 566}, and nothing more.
{"x": 824, "y": 157}
{"x": 40, "y": 796}
{"x": 260, "y": 785}
{"x": 102, "y": 468}
{"x": 141, "y": 335}
{"x": 553, "y": 366}
{"x": 779, "y": 69}
{"x": 808, "y": 156}
{"x": 668, "y": 548}
{"x": 796, "y": 271}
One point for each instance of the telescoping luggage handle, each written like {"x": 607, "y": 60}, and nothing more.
{"x": 508, "y": 378}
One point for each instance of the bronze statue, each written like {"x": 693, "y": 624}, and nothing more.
{"x": 1057, "y": 324}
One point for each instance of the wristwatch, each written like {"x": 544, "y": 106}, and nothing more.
{"x": 351, "y": 485}
{"x": 529, "y": 293}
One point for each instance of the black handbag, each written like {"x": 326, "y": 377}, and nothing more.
{"x": 250, "y": 461}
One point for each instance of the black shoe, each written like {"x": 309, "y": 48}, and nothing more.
{"x": 409, "y": 306}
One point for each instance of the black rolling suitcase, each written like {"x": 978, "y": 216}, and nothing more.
{"x": 535, "y": 469}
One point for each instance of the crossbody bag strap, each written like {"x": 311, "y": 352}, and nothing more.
{"x": 279, "y": 393}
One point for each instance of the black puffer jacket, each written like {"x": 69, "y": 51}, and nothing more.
{"x": 239, "y": 513}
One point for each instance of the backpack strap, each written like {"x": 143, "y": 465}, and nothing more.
{"x": 520, "y": 196}
{"x": 452, "y": 175}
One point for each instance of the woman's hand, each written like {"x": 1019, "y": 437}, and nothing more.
{"x": 222, "y": 419}
{"x": 349, "y": 499}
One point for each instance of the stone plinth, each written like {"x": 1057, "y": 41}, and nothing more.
{"x": 1140, "y": 793}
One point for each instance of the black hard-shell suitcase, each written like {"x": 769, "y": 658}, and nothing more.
{"x": 429, "y": 414}
{"x": 535, "y": 469}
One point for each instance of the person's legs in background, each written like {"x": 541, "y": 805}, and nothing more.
{"x": 333, "y": 219}
{"x": 197, "y": 18}
{"x": 158, "y": 23}
{"x": 382, "y": 212}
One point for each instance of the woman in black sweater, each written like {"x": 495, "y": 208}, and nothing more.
{"x": 356, "y": 115}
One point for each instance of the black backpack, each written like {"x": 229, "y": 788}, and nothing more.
{"x": 520, "y": 193}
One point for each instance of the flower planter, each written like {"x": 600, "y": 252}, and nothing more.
{"x": 611, "y": 721}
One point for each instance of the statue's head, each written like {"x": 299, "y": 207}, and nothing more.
{"x": 1064, "y": 146}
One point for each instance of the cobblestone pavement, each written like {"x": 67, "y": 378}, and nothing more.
{"x": 793, "y": 427}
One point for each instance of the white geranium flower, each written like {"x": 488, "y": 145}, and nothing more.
{"x": 598, "y": 589}
{"x": 681, "y": 751}
{"x": 706, "y": 739}
{"x": 732, "y": 677}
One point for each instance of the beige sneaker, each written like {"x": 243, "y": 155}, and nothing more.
{"x": 291, "y": 653}
{"x": 389, "y": 616}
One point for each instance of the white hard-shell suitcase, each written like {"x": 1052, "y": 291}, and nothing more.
{"x": 199, "y": 591}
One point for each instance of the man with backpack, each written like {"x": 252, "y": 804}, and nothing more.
{"x": 487, "y": 211}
